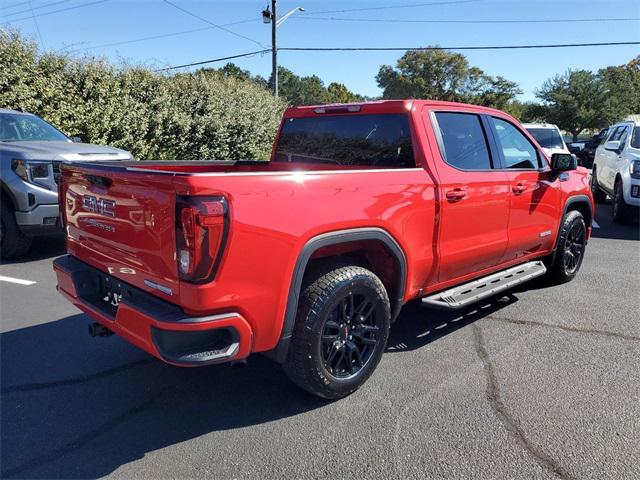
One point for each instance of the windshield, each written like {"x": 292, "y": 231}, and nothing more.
{"x": 21, "y": 128}
{"x": 547, "y": 137}
{"x": 635, "y": 137}
{"x": 359, "y": 140}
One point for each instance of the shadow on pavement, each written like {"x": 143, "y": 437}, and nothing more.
{"x": 77, "y": 407}
{"x": 418, "y": 326}
{"x": 42, "y": 247}
{"x": 614, "y": 231}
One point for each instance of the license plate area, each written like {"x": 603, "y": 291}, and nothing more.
{"x": 111, "y": 293}
{"x": 103, "y": 292}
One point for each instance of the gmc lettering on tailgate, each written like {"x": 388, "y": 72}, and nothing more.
{"x": 99, "y": 205}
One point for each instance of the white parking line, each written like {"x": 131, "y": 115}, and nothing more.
{"x": 19, "y": 281}
{"x": 594, "y": 224}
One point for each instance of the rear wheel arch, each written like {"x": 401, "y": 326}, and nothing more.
{"x": 355, "y": 256}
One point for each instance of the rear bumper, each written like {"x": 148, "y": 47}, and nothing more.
{"x": 157, "y": 327}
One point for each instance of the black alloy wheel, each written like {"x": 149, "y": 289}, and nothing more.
{"x": 574, "y": 248}
{"x": 341, "y": 331}
{"x": 350, "y": 335}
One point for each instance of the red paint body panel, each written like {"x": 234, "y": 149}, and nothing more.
{"x": 276, "y": 208}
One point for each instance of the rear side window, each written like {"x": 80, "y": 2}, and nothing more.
{"x": 360, "y": 140}
{"x": 517, "y": 150}
{"x": 463, "y": 140}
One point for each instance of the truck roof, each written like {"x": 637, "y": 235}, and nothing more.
{"x": 16, "y": 112}
{"x": 379, "y": 106}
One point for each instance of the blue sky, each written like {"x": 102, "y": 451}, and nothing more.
{"x": 88, "y": 29}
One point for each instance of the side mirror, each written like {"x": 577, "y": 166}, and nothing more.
{"x": 613, "y": 145}
{"x": 563, "y": 162}
{"x": 77, "y": 139}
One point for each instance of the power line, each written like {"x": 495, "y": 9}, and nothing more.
{"x": 15, "y": 4}
{"x": 391, "y": 20}
{"x": 484, "y": 47}
{"x": 37, "y": 26}
{"x": 387, "y": 7}
{"x": 211, "y": 23}
{"x": 51, "y": 4}
{"x": 56, "y": 11}
{"x": 162, "y": 35}
{"x": 248, "y": 54}
{"x": 378, "y": 49}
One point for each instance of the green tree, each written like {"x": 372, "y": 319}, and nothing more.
{"x": 621, "y": 86}
{"x": 442, "y": 75}
{"x": 208, "y": 114}
{"x": 339, "y": 93}
{"x": 575, "y": 101}
{"x": 297, "y": 90}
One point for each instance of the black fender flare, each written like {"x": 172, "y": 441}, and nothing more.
{"x": 579, "y": 199}
{"x": 582, "y": 199}
{"x": 335, "y": 238}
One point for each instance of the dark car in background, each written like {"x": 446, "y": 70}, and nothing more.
{"x": 588, "y": 151}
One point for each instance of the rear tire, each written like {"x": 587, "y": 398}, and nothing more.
{"x": 564, "y": 265}
{"x": 622, "y": 213}
{"x": 13, "y": 242}
{"x": 598, "y": 195}
{"x": 341, "y": 331}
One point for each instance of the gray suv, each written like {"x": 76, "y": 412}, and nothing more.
{"x": 31, "y": 151}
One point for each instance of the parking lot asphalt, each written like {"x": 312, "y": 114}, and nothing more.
{"x": 541, "y": 383}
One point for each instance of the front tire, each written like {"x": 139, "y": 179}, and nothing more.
{"x": 341, "y": 331}
{"x": 564, "y": 265}
{"x": 598, "y": 195}
{"x": 13, "y": 242}
{"x": 622, "y": 213}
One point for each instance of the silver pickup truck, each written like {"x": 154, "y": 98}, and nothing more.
{"x": 31, "y": 151}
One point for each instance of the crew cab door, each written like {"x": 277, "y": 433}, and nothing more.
{"x": 474, "y": 197}
{"x": 534, "y": 190}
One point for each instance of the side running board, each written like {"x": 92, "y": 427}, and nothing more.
{"x": 476, "y": 290}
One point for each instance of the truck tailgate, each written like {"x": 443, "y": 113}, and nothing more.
{"x": 124, "y": 224}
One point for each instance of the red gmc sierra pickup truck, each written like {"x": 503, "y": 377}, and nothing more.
{"x": 309, "y": 257}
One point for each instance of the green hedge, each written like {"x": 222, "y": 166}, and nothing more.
{"x": 184, "y": 116}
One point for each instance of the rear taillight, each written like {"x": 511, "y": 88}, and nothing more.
{"x": 201, "y": 231}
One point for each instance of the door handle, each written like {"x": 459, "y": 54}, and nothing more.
{"x": 519, "y": 188}
{"x": 456, "y": 194}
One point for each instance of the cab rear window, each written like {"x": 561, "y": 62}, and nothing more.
{"x": 367, "y": 140}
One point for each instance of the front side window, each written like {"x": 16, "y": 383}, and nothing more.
{"x": 623, "y": 136}
{"x": 382, "y": 141}
{"x": 15, "y": 127}
{"x": 635, "y": 138}
{"x": 463, "y": 140}
{"x": 517, "y": 150}
{"x": 615, "y": 134}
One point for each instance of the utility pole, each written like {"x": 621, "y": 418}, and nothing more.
{"x": 274, "y": 49}
{"x": 271, "y": 17}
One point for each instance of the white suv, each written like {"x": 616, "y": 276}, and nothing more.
{"x": 548, "y": 137}
{"x": 616, "y": 170}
